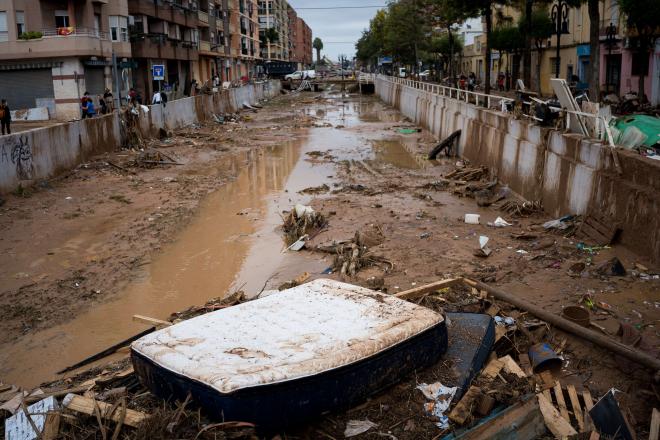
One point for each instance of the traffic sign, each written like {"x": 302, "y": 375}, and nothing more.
{"x": 158, "y": 72}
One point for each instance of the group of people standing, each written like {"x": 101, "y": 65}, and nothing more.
{"x": 88, "y": 107}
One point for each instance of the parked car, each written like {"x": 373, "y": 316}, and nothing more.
{"x": 424, "y": 76}
{"x": 300, "y": 74}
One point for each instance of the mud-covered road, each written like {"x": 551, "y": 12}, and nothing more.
{"x": 83, "y": 253}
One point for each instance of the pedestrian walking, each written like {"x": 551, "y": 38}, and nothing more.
{"x": 156, "y": 99}
{"x": 91, "y": 110}
{"x": 5, "y": 117}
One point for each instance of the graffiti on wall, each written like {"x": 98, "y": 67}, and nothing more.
{"x": 17, "y": 151}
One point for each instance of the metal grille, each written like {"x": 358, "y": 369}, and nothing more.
{"x": 21, "y": 88}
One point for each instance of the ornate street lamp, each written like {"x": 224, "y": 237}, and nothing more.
{"x": 559, "y": 16}
{"x": 610, "y": 40}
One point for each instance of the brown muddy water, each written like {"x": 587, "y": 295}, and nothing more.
{"x": 233, "y": 242}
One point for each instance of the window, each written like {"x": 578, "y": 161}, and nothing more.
{"x": 97, "y": 24}
{"x": 4, "y": 35}
{"x": 553, "y": 66}
{"x": 640, "y": 64}
{"x": 118, "y": 28}
{"x": 20, "y": 23}
{"x": 61, "y": 18}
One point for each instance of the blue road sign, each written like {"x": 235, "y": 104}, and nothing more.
{"x": 158, "y": 72}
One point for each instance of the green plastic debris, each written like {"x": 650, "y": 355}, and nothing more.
{"x": 637, "y": 130}
{"x": 409, "y": 130}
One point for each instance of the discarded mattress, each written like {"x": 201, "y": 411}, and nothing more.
{"x": 283, "y": 359}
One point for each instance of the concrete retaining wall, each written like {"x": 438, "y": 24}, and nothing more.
{"x": 44, "y": 152}
{"x": 568, "y": 173}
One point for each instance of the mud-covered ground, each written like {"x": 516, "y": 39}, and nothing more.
{"x": 79, "y": 240}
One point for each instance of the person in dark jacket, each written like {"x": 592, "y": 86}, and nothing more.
{"x": 5, "y": 117}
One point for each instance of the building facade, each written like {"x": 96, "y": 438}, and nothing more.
{"x": 300, "y": 41}
{"x": 274, "y": 14}
{"x": 53, "y": 51}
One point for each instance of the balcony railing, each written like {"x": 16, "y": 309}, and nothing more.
{"x": 74, "y": 31}
{"x": 205, "y": 45}
{"x": 203, "y": 17}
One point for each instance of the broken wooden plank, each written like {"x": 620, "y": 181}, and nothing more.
{"x": 88, "y": 406}
{"x": 463, "y": 409}
{"x": 57, "y": 393}
{"x": 654, "y": 429}
{"x": 559, "y": 395}
{"x": 577, "y": 409}
{"x": 158, "y": 323}
{"x": 588, "y": 401}
{"x": 492, "y": 369}
{"x": 523, "y": 420}
{"x": 428, "y": 288}
{"x": 525, "y": 364}
{"x": 555, "y": 423}
{"x": 548, "y": 395}
{"x": 110, "y": 380}
{"x": 51, "y": 429}
{"x": 547, "y": 381}
{"x": 511, "y": 367}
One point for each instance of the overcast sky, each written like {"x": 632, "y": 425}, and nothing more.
{"x": 338, "y": 28}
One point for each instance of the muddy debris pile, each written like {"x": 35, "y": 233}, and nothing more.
{"x": 526, "y": 376}
{"x": 350, "y": 256}
{"x": 301, "y": 223}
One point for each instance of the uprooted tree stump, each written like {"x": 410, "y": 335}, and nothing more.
{"x": 296, "y": 226}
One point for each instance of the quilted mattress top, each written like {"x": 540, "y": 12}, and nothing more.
{"x": 299, "y": 332}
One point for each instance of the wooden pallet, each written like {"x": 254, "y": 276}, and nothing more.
{"x": 599, "y": 230}
{"x": 580, "y": 404}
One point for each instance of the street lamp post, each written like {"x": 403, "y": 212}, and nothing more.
{"x": 559, "y": 16}
{"x": 610, "y": 34}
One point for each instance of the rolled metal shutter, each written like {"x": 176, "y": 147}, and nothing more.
{"x": 94, "y": 80}
{"x": 21, "y": 88}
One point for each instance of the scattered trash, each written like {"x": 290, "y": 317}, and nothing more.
{"x": 409, "y": 130}
{"x": 521, "y": 209}
{"x": 302, "y": 220}
{"x": 440, "y": 397}
{"x": 522, "y": 252}
{"x": 499, "y": 223}
{"x": 357, "y": 427}
{"x": 472, "y": 219}
{"x": 560, "y": 223}
{"x": 298, "y": 244}
{"x": 608, "y": 418}
{"x": 22, "y": 426}
{"x": 506, "y": 320}
{"x": 576, "y": 314}
{"x": 483, "y": 250}
{"x": 544, "y": 358}
{"x": 611, "y": 267}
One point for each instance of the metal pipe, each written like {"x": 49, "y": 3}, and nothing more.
{"x": 566, "y": 325}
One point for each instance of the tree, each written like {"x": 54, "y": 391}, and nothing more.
{"x": 594, "y": 49}
{"x": 446, "y": 46}
{"x": 506, "y": 39}
{"x": 542, "y": 28}
{"x": 643, "y": 19}
{"x": 473, "y": 8}
{"x": 405, "y": 31}
{"x": 318, "y": 45}
{"x": 370, "y": 45}
{"x": 445, "y": 14}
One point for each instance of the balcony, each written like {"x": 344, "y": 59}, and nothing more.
{"x": 164, "y": 11}
{"x": 159, "y": 46}
{"x": 203, "y": 18}
{"x": 60, "y": 42}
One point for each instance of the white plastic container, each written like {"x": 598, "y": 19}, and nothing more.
{"x": 472, "y": 219}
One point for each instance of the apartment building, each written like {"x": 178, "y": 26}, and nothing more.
{"x": 243, "y": 39}
{"x": 274, "y": 14}
{"x": 164, "y": 33}
{"x": 300, "y": 40}
{"x": 52, "y": 51}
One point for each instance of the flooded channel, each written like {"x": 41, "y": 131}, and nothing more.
{"x": 233, "y": 241}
